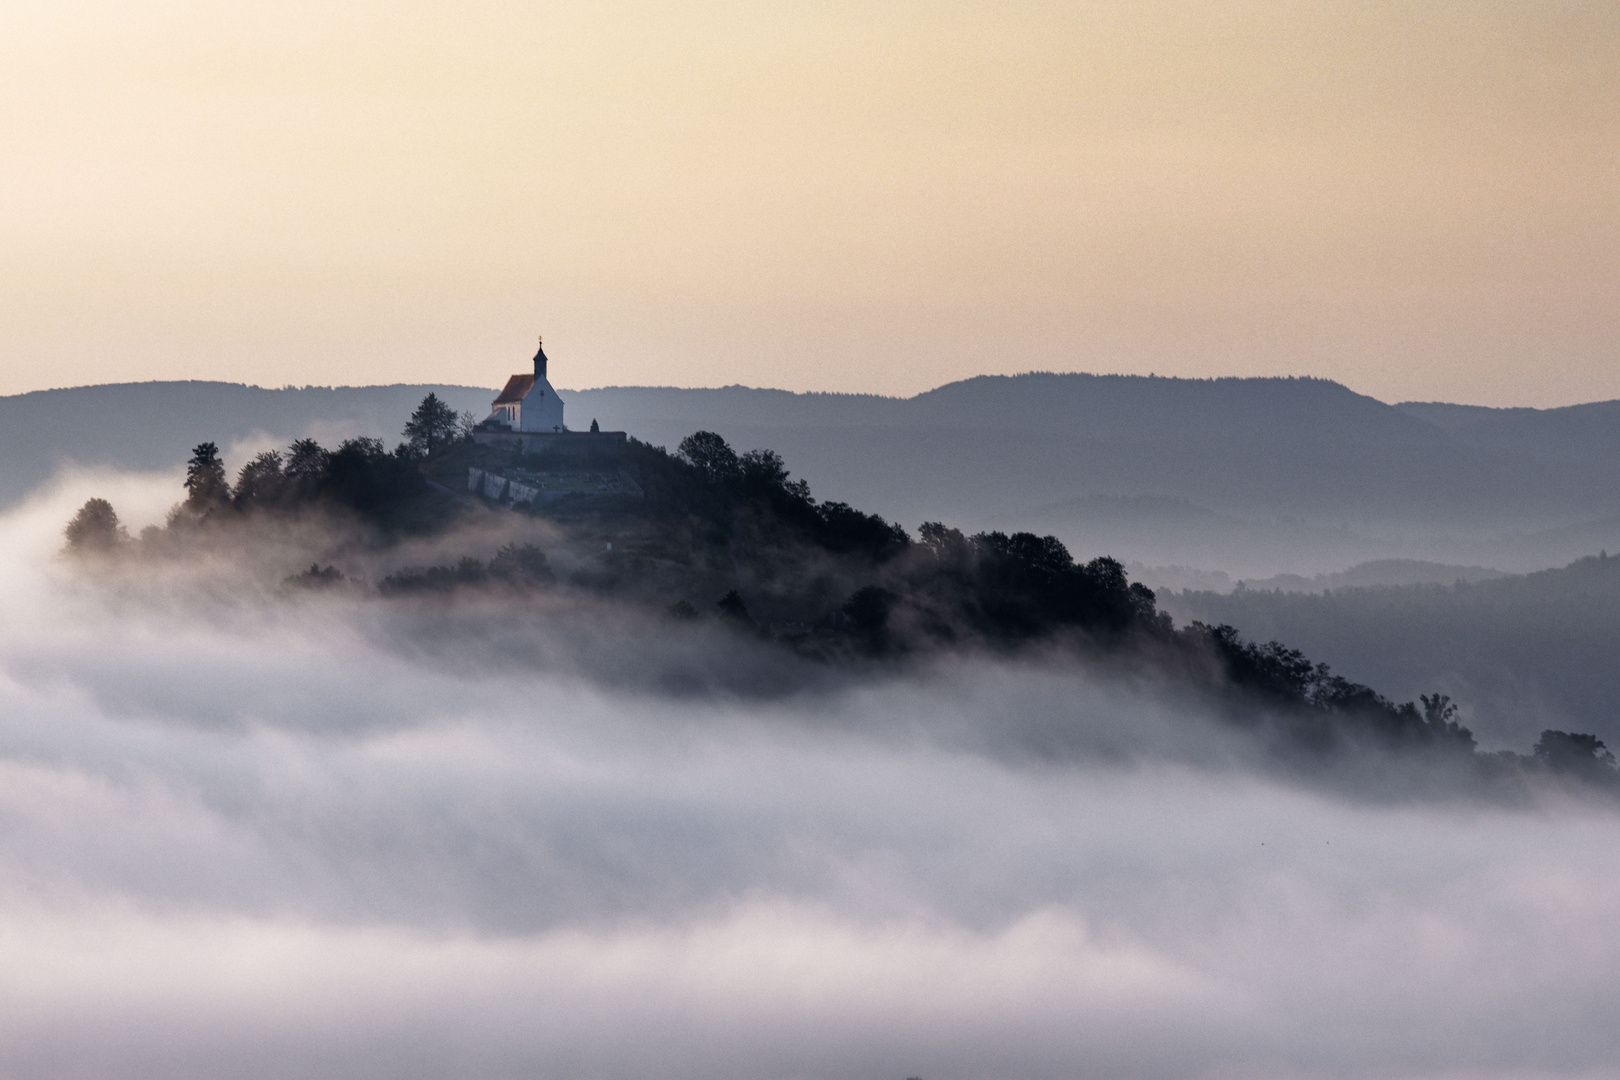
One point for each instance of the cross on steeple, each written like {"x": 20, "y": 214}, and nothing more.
{"x": 540, "y": 358}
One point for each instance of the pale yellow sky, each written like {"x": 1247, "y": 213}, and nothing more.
{"x": 1421, "y": 200}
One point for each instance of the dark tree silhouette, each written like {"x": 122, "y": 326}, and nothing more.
{"x": 846, "y": 529}
{"x": 521, "y": 565}
{"x": 711, "y": 455}
{"x": 363, "y": 475}
{"x": 304, "y": 470}
{"x": 206, "y": 486}
{"x": 432, "y": 427}
{"x": 1438, "y": 709}
{"x": 95, "y": 528}
{"x": 763, "y": 470}
{"x": 733, "y": 609}
{"x": 595, "y": 427}
{"x": 1575, "y": 754}
{"x": 949, "y": 548}
{"x": 260, "y": 481}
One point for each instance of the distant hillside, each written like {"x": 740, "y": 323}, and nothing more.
{"x": 152, "y": 425}
{"x": 1254, "y": 476}
{"x": 1035, "y": 443}
{"x": 1522, "y": 653}
{"x": 1250, "y": 476}
{"x": 1379, "y": 573}
{"x": 1566, "y": 445}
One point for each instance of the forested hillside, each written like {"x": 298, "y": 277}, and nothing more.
{"x": 1250, "y": 476}
{"x": 1523, "y": 652}
{"x": 710, "y": 540}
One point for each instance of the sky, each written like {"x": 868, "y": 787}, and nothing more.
{"x": 1421, "y": 200}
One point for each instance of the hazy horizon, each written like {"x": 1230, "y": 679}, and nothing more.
{"x": 1416, "y": 200}
{"x": 897, "y": 396}
{"x": 1308, "y": 478}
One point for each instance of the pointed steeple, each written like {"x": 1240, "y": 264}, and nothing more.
{"x": 540, "y": 361}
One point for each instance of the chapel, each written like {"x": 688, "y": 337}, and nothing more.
{"x": 527, "y": 417}
{"x": 528, "y": 403}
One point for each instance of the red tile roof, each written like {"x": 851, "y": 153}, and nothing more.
{"x": 517, "y": 388}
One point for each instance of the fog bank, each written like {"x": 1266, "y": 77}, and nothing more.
{"x": 256, "y": 835}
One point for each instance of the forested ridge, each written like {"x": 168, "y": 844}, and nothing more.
{"x": 734, "y": 540}
{"x": 1515, "y": 646}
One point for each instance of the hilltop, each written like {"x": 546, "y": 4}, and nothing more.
{"x": 1249, "y": 476}
{"x": 711, "y": 541}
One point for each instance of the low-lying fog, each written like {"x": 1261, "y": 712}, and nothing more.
{"x": 247, "y": 835}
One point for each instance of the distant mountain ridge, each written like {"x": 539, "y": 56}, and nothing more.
{"x": 153, "y": 425}
{"x": 1377, "y": 574}
{"x": 1521, "y": 653}
{"x": 1255, "y": 476}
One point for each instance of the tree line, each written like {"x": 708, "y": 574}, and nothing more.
{"x": 360, "y": 474}
{"x": 828, "y": 580}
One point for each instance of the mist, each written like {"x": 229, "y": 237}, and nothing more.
{"x": 252, "y": 832}
{"x": 1519, "y": 654}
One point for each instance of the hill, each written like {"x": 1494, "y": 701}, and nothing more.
{"x": 825, "y": 587}
{"x": 1250, "y": 476}
{"x": 1521, "y": 653}
{"x": 1367, "y": 575}
{"x": 1253, "y": 476}
{"x": 154, "y": 424}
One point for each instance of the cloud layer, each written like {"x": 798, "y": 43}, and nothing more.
{"x": 253, "y": 836}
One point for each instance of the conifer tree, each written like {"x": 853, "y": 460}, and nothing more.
{"x": 206, "y": 486}
{"x": 433, "y": 426}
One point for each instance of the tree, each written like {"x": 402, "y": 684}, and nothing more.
{"x": 846, "y": 529}
{"x": 206, "y": 486}
{"x": 305, "y": 462}
{"x": 362, "y": 474}
{"x": 95, "y": 529}
{"x": 764, "y": 471}
{"x": 433, "y": 426}
{"x": 947, "y": 545}
{"x": 709, "y": 453}
{"x": 260, "y": 481}
{"x": 1575, "y": 754}
{"x": 733, "y": 610}
{"x": 595, "y": 427}
{"x": 521, "y": 565}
